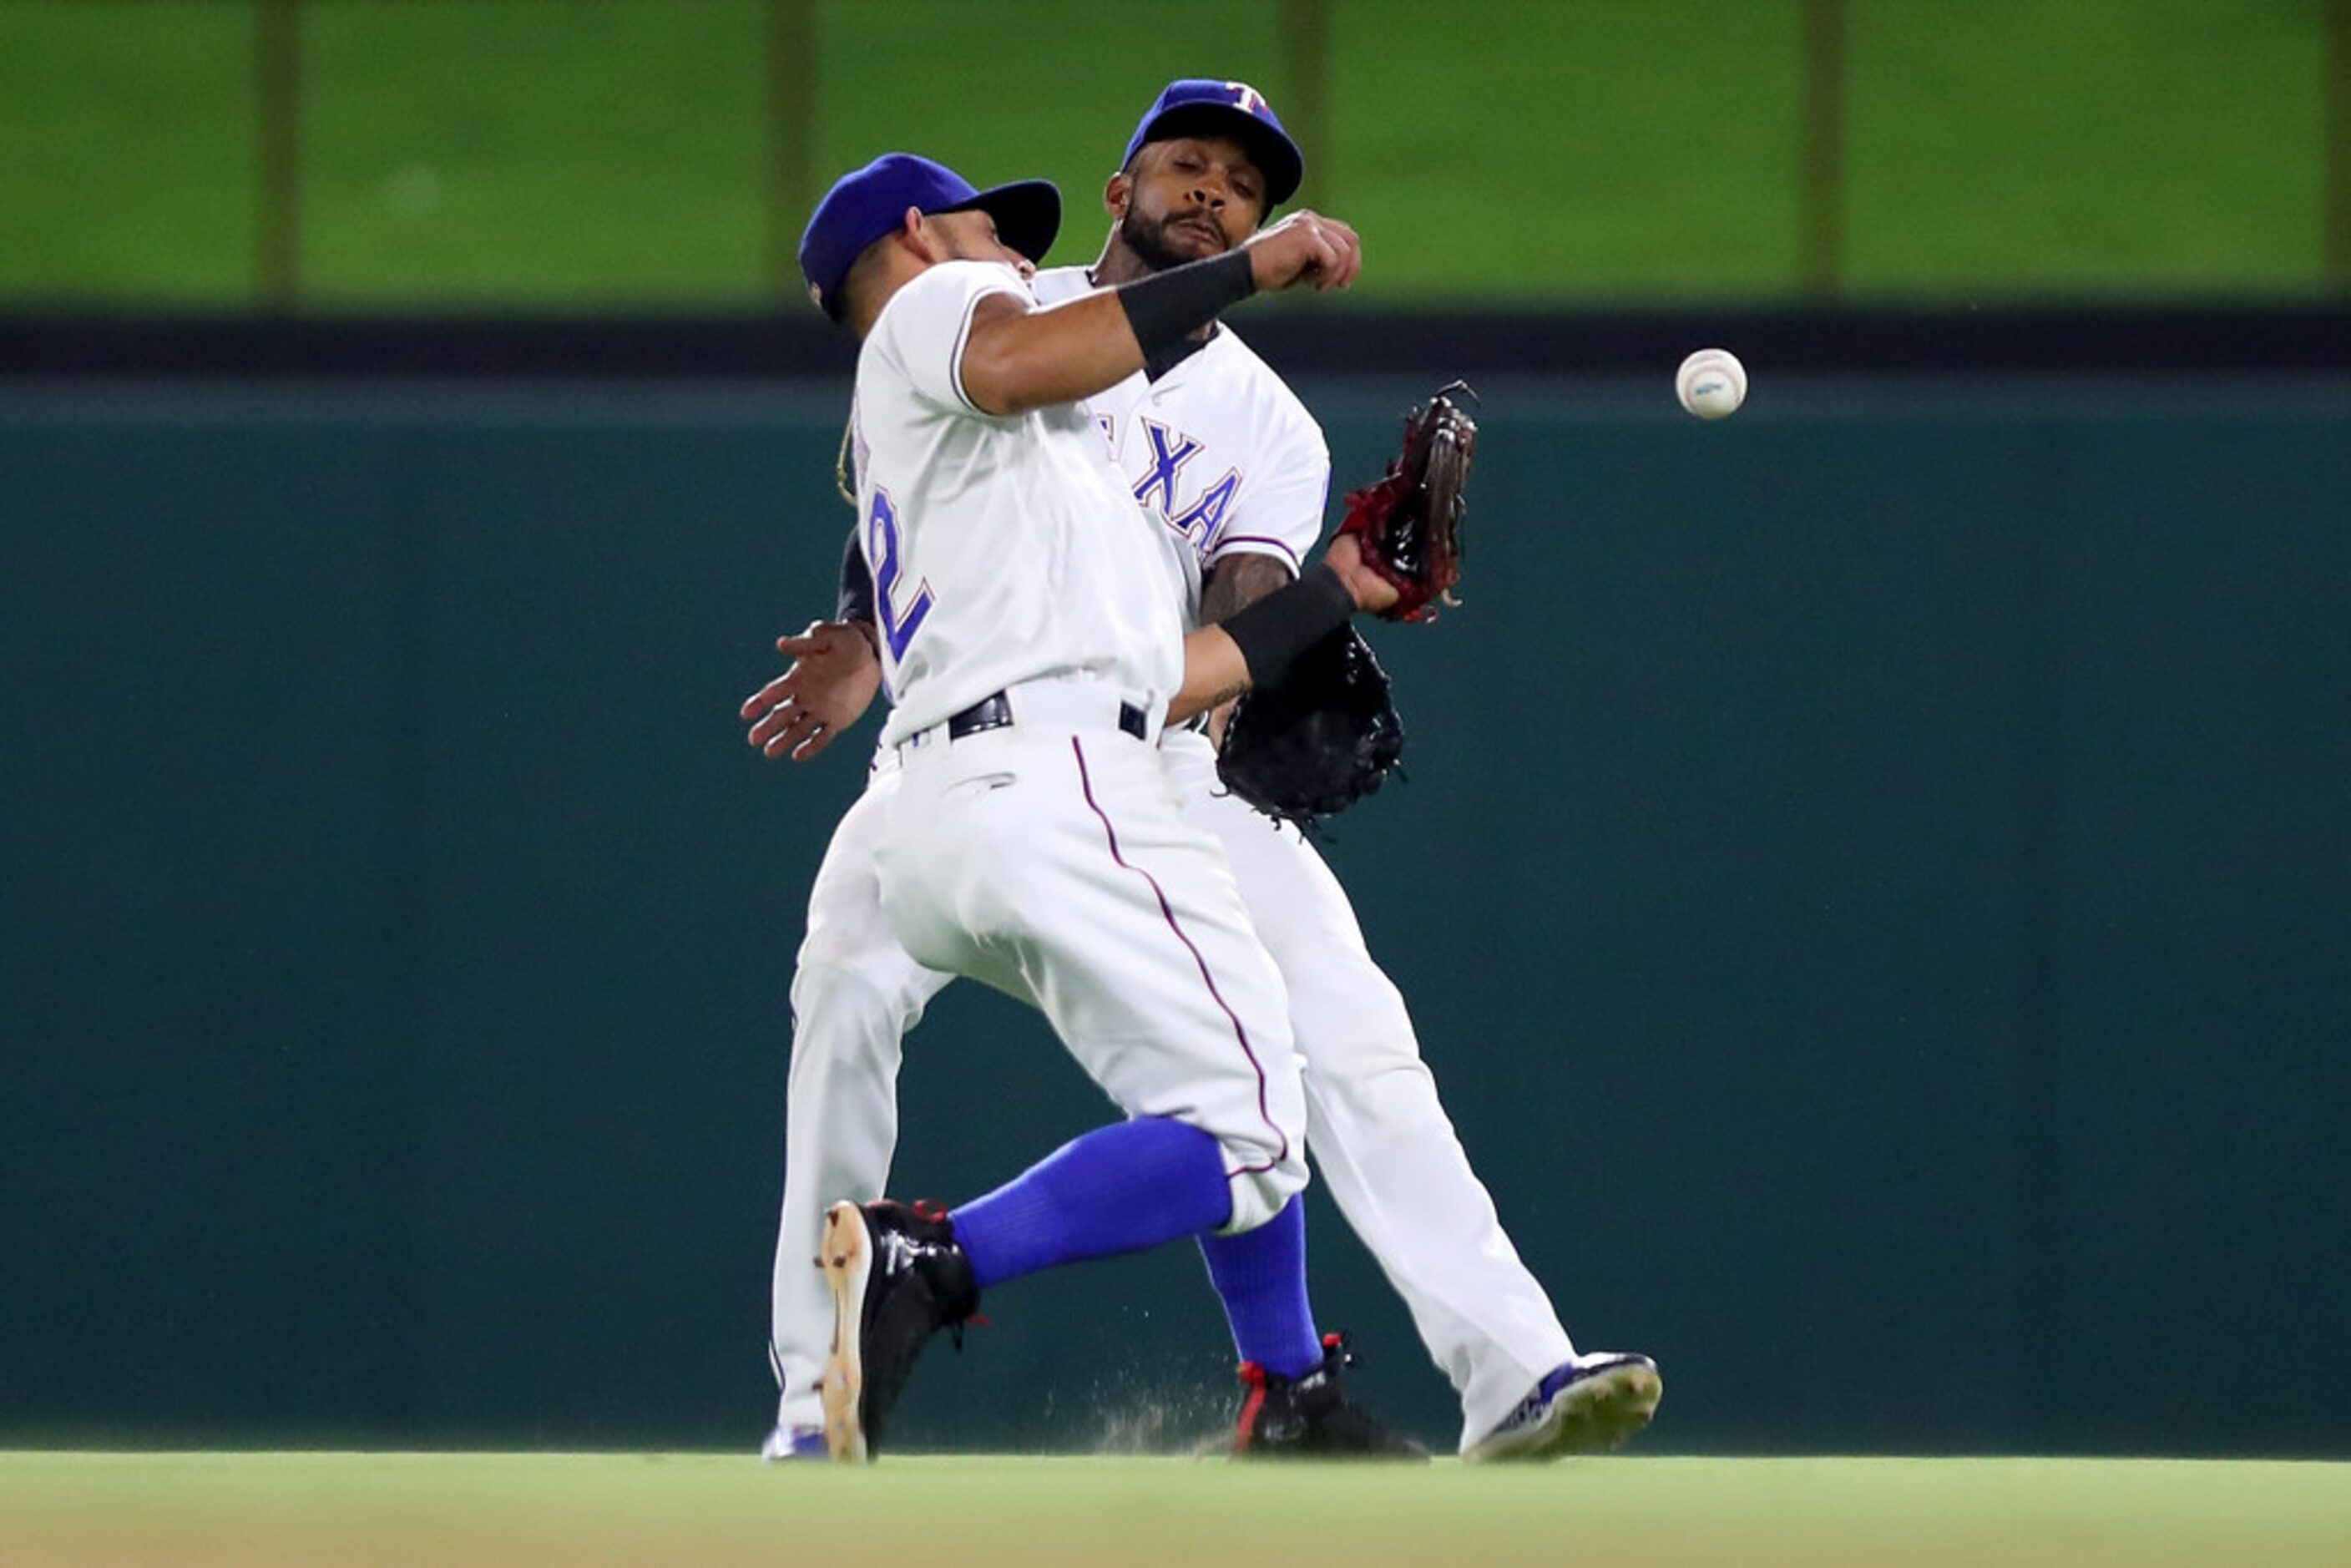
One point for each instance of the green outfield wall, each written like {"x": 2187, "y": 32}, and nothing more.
{"x": 326, "y": 155}
{"x": 1871, "y": 882}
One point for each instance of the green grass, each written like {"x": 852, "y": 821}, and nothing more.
{"x": 261, "y": 1509}
{"x": 618, "y": 151}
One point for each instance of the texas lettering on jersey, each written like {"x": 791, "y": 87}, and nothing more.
{"x": 1216, "y": 445}
{"x": 1193, "y": 508}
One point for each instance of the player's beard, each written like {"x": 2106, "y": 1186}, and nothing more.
{"x": 1147, "y": 238}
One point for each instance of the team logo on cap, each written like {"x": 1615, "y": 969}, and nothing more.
{"x": 1245, "y": 97}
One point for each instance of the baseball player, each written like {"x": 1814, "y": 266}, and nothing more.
{"x": 1220, "y": 450}
{"x": 1028, "y": 632}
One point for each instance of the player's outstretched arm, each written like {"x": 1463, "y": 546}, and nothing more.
{"x": 1232, "y": 585}
{"x": 1237, "y": 581}
{"x": 1018, "y": 358}
{"x": 1223, "y": 660}
{"x": 836, "y": 670}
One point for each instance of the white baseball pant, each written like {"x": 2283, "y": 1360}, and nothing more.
{"x": 1375, "y": 1127}
{"x": 1051, "y": 859}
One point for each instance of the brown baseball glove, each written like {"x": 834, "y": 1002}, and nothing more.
{"x": 1410, "y": 522}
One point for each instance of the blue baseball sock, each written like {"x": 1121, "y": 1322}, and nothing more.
{"x": 1119, "y": 1188}
{"x": 1261, "y": 1275}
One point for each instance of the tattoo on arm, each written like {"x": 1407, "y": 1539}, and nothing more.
{"x": 1227, "y": 694}
{"x": 1232, "y": 584}
{"x": 1238, "y": 581}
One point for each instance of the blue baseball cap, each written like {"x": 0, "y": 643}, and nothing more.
{"x": 867, "y": 203}
{"x": 1198, "y": 107}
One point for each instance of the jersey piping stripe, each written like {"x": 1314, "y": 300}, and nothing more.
{"x": 1167, "y": 913}
{"x": 1226, "y": 546}
{"x": 963, "y": 337}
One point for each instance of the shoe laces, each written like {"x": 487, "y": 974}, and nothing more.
{"x": 935, "y": 1212}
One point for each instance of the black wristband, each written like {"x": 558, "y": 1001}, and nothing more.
{"x": 1291, "y": 619}
{"x": 1168, "y": 307}
{"x": 856, "y": 602}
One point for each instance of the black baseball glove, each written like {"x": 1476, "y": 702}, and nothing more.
{"x": 1317, "y": 741}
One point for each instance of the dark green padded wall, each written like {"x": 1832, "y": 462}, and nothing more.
{"x": 1871, "y": 882}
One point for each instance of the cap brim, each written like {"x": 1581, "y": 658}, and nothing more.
{"x": 1276, "y": 157}
{"x": 1028, "y": 215}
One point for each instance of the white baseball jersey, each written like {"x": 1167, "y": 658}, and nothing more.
{"x": 1217, "y": 448}
{"x": 1004, "y": 550}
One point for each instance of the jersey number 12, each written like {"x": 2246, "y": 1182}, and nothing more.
{"x": 898, "y": 628}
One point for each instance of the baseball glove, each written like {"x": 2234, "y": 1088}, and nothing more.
{"x": 1317, "y": 741}
{"x": 1410, "y": 522}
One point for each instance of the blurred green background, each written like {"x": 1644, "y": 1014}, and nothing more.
{"x": 665, "y": 151}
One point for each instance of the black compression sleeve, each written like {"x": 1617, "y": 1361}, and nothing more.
{"x": 856, "y": 584}
{"x": 1289, "y": 621}
{"x": 1168, "y": 307}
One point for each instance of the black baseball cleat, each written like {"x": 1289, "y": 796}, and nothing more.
{"x": 1587, "y": 1406}
{"x": 1311, "y": 1417}
{"x": 897, "y": 1277}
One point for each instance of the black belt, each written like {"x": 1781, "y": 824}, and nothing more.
{"x": 996, "y": 712}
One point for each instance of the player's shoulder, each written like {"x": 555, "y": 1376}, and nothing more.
{"x": 972, "y": 274}
{"x": 1230, "y": 368}
{"x": 949, "y": 287}
{"x": 1055, "y": 284}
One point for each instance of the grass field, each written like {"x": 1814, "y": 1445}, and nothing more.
{"x": 618, "y": 151}
{"x": 261, "y": 1509}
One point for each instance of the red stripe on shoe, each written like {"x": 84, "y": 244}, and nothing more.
{"x": 1254, "y": 1375}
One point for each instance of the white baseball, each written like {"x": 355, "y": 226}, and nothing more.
{"x": 1711, "y": 383}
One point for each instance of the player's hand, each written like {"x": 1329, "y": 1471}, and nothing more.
{"x": 1305, "y": 247}
{"x": 835, "y": 676}
{"x": 1345, "y": 555}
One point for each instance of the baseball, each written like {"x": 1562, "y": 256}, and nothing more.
{"x": 1711, "y": 383}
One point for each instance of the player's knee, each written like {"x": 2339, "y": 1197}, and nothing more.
{"x": 835, "y": 945}
{"x": 1361, "y": 1032}
{"x": 838, "y": 1006}
{"x": 1386, "y": 1088}
{"x": 1370, "y": 1047}
{"x": 1262, "y": 1190}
